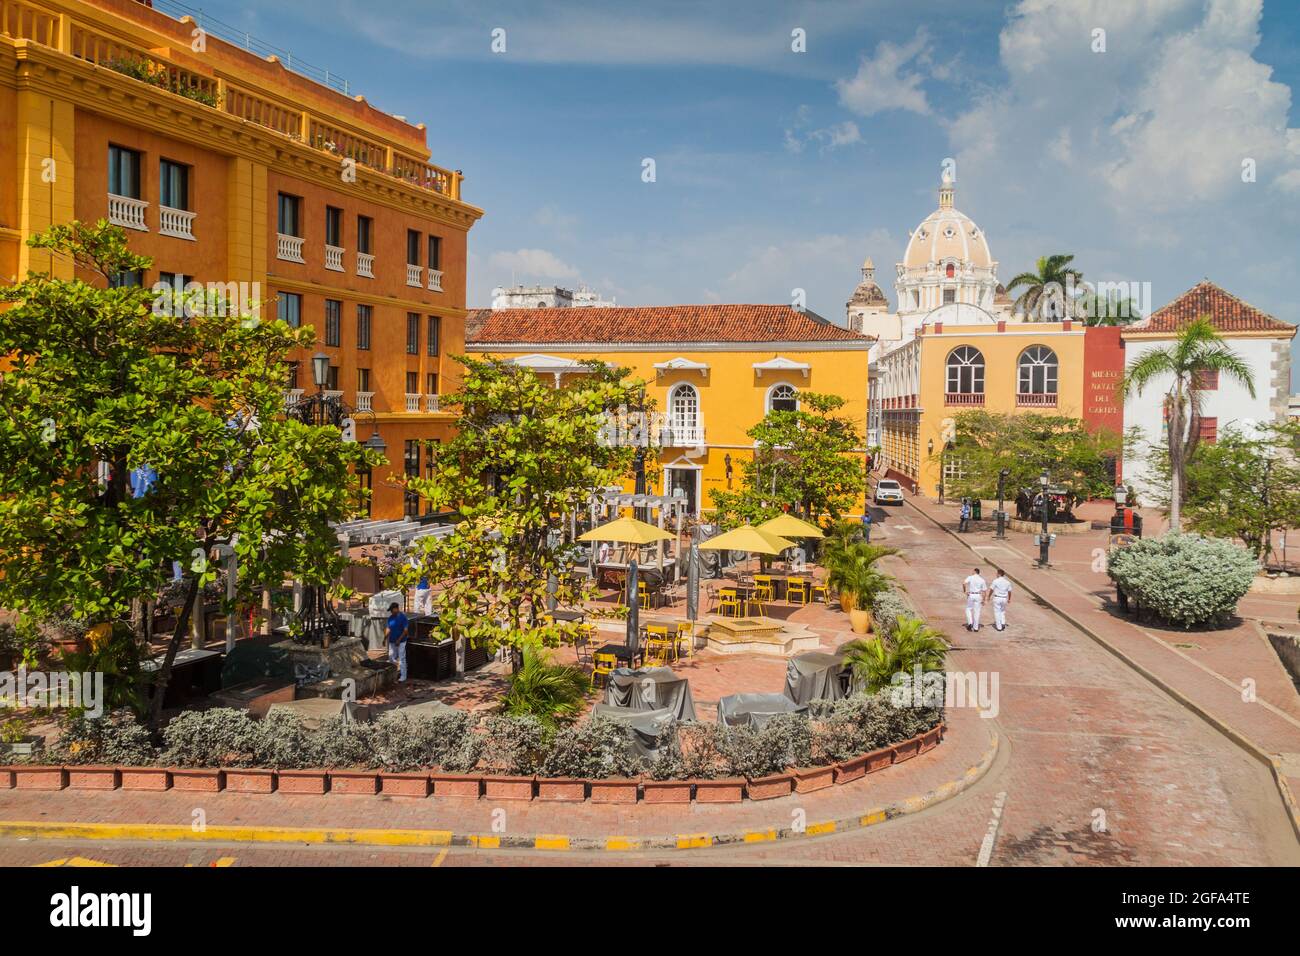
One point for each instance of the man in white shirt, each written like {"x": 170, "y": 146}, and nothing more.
{"x": 1000, "y": 592}
{"x": 974, "y": 587}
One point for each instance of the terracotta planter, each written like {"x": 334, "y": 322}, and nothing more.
{"x": 93, "y": 778}
{"x": 302, "y": 781}
{"x": 860, "y": 621}
{"x": 879, "y": 759}
{"x": 667, "y": 791}
{"x": 40, "y": 778}
{"x": 6, "y": 778}
{"x": 808, "y": 779}
{"x": 929, "y": 740}
{"x": 360, "y": 782}
{"x": 508, "y": 788}
{"x": 907, "y": 749}
{"x": 562, "y": 791}
{"x": 847, "y": 770}
{"x": 405, "y": 784}
{"x": 468, "y": 785}
{"x": 846, "y": 601}
{"x": 68, "y": 646}
{"x": 198, "y": 779}
{"x": 614, "y": 790}
{"x": 726, "y": 790}
{"x": 770, "y": 787}
{"x": 146, "y": 778}
{"x": 250, "y": 780}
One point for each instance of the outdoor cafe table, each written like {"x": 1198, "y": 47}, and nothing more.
{"x": 622, "y": 652}
{"x": 572, "y": 617}
{"x": 651, "y": 688}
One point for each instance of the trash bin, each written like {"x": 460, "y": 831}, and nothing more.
{"x": 975, "y": 507}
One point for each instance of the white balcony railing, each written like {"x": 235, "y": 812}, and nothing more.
{"x": 128, "y": 212}
{"x": 178, "y": 223}
{"x": 364, "y": 401}
{"x": 435, "y": 280}
{"x": 431, "y": 403}
{"x": 334, "y": 258}
{"x": 288, "y": 248}
{"x": 365, "y": 265}
{"x": 963, "y": 398}
{"x": 681, "y": 435}
{"x": 1036, "y": 399}
{"x": 334, "y": 393}
{"x": 413, "y": 275}
{"x": 412, "y": 402}
{"x": 292, "y": 396}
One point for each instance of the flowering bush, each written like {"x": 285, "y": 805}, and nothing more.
{"x": 1185, "y": 579}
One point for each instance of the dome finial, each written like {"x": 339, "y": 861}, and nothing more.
{"x": 946, "y": 190}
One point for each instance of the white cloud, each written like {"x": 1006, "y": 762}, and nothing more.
{"x": 890, "y": 80}
{"x": 536, "y": 264}
{"x": 826, "y": 138}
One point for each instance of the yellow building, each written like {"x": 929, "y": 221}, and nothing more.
{"x": 714, "y": 371}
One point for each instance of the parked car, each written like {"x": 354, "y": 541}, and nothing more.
{"x": 888, "y": 491}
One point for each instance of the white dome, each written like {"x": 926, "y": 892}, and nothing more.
{"x": 947, "y": 235}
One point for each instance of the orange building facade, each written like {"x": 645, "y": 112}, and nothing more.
{"x": 226, "y": 168}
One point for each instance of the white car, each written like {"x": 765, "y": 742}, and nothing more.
{"x": 887, "y": 491}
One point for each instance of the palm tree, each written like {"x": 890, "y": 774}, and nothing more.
{"x": 847, "y": 564}
{"x": 553, "y": 693}
{"x": 1198, "y": 349}
{"x": 1110, "y": 309}
{"x": 874, "y": 661}
{"x": 1046, "y": 288}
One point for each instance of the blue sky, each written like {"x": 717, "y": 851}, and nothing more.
{"x": 778, "y": 170}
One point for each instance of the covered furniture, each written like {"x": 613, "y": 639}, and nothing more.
{"x": 428, "y": 708}
{"x": 816, "y": 675}
{"x": 755, "y": 710}
{"x": 313, "y": 710}
{"x": 644, "y": 726}
{"x": 651, "y": 688}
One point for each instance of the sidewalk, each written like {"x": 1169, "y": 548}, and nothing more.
{"x": 1203, "y": 669}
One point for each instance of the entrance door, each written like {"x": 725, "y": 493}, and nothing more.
{"x": 686, "y": 479}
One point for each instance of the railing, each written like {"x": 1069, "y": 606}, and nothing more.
{"x": 674, "y": 435}
{"x": 413, "y": 275}
{"x": 963, "y": 398}
{"x": 333, "y": 393}
{"x": 334, "y": 258}
{"x": 24, "y": 22}
{"x": 412, "y": 402}
{"x": 292, "y": 396}
{"x": 431, "y": 403}
{"x": 346, "y": 145}
{"x": 288, "y": 248}
{"x": 435, "y": 280}
{"x": 175, "y": 222}
{"x": 364, "y": 401}
{"x": 365, "y": 265}
{"x": 128, "y": 212}
{"x": 427, "y": 176}
{"x": 139, "y": 64}
{"x": 1038, "y": 399}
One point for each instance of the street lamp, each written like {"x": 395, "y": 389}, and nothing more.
{"x": 1044, "y": 539}
{"x": 1002, "y": 494}
{"x": 320, "y": 369}
{"x": 1121, "y": 497}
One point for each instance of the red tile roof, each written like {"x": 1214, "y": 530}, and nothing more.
{"x": 651, "y": 324}
{"x": 1225, "y": 311}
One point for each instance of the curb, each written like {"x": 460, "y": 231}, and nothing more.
{"x": 174, "y": 833}
{"x": 1289, "y": 802}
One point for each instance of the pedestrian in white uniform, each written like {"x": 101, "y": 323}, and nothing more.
{"x": 1000, "y": 592}
{"x": 974, "y": 587}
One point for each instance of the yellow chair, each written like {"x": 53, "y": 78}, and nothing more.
{"x": 685, "y": 632}
{"x": 729, "y": 601}
{"x": 764, "y": 589}
{"x": 659, "y": 646}
{"x": 796, "y": 588}
{"x": 584, "y": 642}
{"x": 820, "y": 590}
{"x": 604, "y": 665}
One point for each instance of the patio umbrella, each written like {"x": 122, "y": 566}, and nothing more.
{"x": 748, "y": 538}
{"x": 791, "y": 527}
{"x": 626, "y": 531}
{"x": 693, "y": 583}
{"x": 633, "y": 639}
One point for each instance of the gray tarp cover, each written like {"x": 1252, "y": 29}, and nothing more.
{"x": 643, "y": 726}
{"x": 754, "y": 710}
{"x": 815, "y": 675}
{"x": 312, "y": 710}
{"x": 428, "y": 707}
{"x": 651, "y": 688}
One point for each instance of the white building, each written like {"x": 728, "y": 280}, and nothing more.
{"x": 547, "y": 297}
{"x": 1263, "y": 341}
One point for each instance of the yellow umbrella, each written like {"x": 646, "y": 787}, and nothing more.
{"x": 791, "y": 527}
{"x": 626, "y": 531}
{"x": 748, "y": 538}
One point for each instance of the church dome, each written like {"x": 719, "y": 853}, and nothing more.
{"x": 868, "y": 291}
{"x": 947, "y": 235}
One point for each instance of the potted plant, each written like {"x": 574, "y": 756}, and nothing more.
{"x": 16, "y": 741}
{"x": 874, "y": 661}
{"x": 865, "y": 583}
{"x": 847, "y": 562}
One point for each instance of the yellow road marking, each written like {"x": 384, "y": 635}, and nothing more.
{"x": 75, "y": 861}
{"x": 759, "y": 836}
{"x": 485, "y": 842}
{"x": 551, "y": 842}
{"x": 692, "y": 841}
{"x": 622, "y": 843}
{"x": 874, "y": 817}
{"x": 437, "y": 860}
{"x": 816, "y": 828}
{"x": 172, "y": 833}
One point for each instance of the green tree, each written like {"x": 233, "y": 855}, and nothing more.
{"x": 1109, "y": 309}
{"x": 526, "y": 455}
{"x": 875, "y": 660}
{"x": 1046, "y": 290}
{"x": 105, "y": 381}
{"x": 808, "y": 460}
{"x": 1077, "y": 459}
{"x": 1198, "y": 350}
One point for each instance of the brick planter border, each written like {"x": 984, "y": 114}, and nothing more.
{"x": 93, "y": 778}
{"x": 457, "y": 785}
{"x": 771, "y": 787}
{"x": 666, "y": 791}
{"x": 507, "y": 788}
{"x": 303, "y": 781}
{"x": 725, "y": 790}
{"x": 561, "y": 790}
{"x": 198, "y": 779}
{"x": 614, "y": 790}
{"x": 146, "y": 778}
{"x": 360, "y": 782}
{"x": 405, "y": 784}
{"x": 250, "y": 780}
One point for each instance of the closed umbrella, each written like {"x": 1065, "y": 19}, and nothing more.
{"x": 633, "y": 639}
{"x": 552, "y": 585}
{"x": 693, "y": 582}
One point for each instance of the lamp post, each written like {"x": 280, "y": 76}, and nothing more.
{"x": 1044, "y": 539}
{"x": 1002, "y": 494}
{"x": 929, "y": 451}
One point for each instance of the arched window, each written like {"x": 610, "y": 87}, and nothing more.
{"x": 965, "y": 371}
{"x": 1038, "y": 367}
{"x": 684, "y": 408}
{"x": 783, "y": 398}
{"x": 950, "y": 271}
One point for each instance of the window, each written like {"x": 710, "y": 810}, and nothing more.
{"x": 412, "y": 383}
{"x": 173, "y": 185}
{"x": 684, "y": 408}
{"x": 123, "y": 172}
{"x": 288, "y": 309}
{"x": 177, "y": 280}
{"x": 412, "y": 333}
{"x": 949, "y": 295}
{"x": 125, "y": 280}
{"x": 411, "y": 463}
{"x": 1209, "y": 430}
{"x": 333, "y": 322}
{"x": 431, "y": 383}
{"x": 290, "y": 222}
{"x": 363, "y": 327}
{"x": 1038, "y": 368}
{"x": 365, "y": 229}
{"x": 292, "y": 370}
{"x": 1206, "y": 380}
{"x": 951, "y": 271}
{"x": 333, "y": 226}
{"x": 783, "y": 398}
{"x": 965, "y": 371}
{"x": 435, "y": 252}
{"x": 332, "y": 378}
{"x": 363, "y": 380}
{"x": 434, "y": 334}
{"x": 412, "y": 247}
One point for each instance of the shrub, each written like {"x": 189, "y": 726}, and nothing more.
{"x": 340, "y": 743}
{"x": 282, "y": 742}
{"x": 594, "y": 749}
{"x": 888, "y": 607}
{"x": 784, "y": 741}
{"x": 1186, "y": 579}
{"x": 115, "y": 738}
{"x": 553, "y": 693}
{"x": 417, "y": 741}
{"x": 220, "y": 737}
{"x": 515, "y": 745}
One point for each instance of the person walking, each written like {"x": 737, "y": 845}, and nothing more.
{"x": 399, "y": 626}
{"x": 1000, "y": 593}
{"x": 974, "y": 587}
{"x": 965, "y": 515}
{"x": 866, "y": 523}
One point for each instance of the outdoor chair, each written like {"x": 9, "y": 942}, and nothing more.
{"x": 796, "y": 591}
{"x": 603, "y": 665}
{"x": 764, "y": 589}
{"x": 685, "y": 632}
{"x": 659, "y": 646}
{"x": 819, "y": 589}
{"x": 582, "y": 643}
{"x": 729, "y": 602}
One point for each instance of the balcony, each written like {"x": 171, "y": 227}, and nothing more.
{"x": 334, "y": 258}
{"x": 412, "y": 402}
{"x": 1036, "y": 399}
{"x": 335, "y": 394}
{"x": 431, "y": 403}
{"x": 178, "y": 223}
{"x": 414, "y": 275}
{"x": 681, "y": 435}
{"x": 965, "y": 399}
{"x": 288, "y": 248}
{"x": 127, "y": 212}
{"x": 292, "y": 396}
{"x": 365, "y": 401}
{"x": 365, "y": 265}
{"x": 435, "y": 280}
